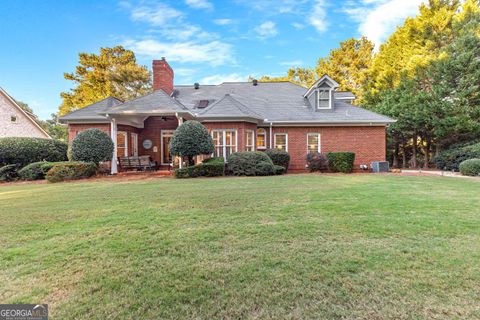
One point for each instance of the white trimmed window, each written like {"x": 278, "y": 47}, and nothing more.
{"x": 323, "y": 99}
{"x": 281, "y": 141}
{"x": 261, "y": 139}
{"x": 225, "y": 141}
{"x": 249, "y": 140}
{"x": 313, "y": 142}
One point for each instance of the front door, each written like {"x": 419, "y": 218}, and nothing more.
{"x": 166, "y": 135}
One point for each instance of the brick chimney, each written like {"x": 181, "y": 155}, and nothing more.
{"x": 162, "y": 76}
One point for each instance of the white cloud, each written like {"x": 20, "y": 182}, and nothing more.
{"x": 156, "y": 15}
{"x": 298, "y": 26}
{"x": 318, "y": 16}
{"x": 219, "y": 78}
{"x": 223, "y": 22}
{"x": 379, "y": 18}
{"x": 214, "y": 53}
{"x": 294, "y": 63}
{"x": 199, "y": 4}
{"x": 267, "y": 29}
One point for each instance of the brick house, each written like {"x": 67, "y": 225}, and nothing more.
{"x": 241, "y": 116}
{"x": 16, "y": 122}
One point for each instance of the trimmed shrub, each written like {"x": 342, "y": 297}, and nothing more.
{"x": 341, "y": 161}
{"x": 213, "y": 167}
{"x": 22, "y": 151}
{"x": 35, "y": 171}
{"x": 317, "y": 161}
{"x": 450, "y": 159}
{"x": 279, "y": 157}
{"x": 191, "y": 139}
{"x": 71, "y": 171}
{"x": 278, "y": 170}
{"x": 92, "y": 145}
{"x": 264, "y": 168}
{"x": 470, "y": 167}
{"x": 8, "y": 173}
{"x": 250, "y": 163}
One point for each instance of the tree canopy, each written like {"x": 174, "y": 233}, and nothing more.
{"x": 114, "y": 72}
{"x": 191, "y": 139}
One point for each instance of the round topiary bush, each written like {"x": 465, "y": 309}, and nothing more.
{"x": 470, "y": 167}
{"x": 22, "y": 151}
{"x": 191, "y": 139}
{"x": 279, "y": 157}
{"x": 250, "y": 163}
{"x": 92, "y": 145}
{"x": 317, "y": 161}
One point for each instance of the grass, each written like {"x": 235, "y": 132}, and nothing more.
{"x": 285, "y": 247}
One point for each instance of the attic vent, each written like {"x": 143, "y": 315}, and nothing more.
{"x": 202, "y": 104}
{"x": 255, "y": 82}
{"x": 196, "y": 85}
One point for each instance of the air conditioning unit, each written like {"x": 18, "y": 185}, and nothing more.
{"x": 380, "y": 166}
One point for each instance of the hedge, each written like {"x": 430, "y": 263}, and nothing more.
{"x": 250, "y": 163}
{"x": 279, "y": 157}
{"x": 450, "y": 159}
{"x": 341, "y": 161}
{"x": 36, "y": 170}
{"x": 317, "y": 161}
{"x": 22, "y": 151}
{"x": 278, "y": 170}
{"x": 212, "y": 167}
{"x": 470, "y": 167}
{"x": 71, "y": 171}
{"x": 8, "y": 173}
{"x": 92, "y": 145}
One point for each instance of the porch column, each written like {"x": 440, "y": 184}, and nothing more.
{"x": 180, "y": 122}
{"x": 113, "y": 131}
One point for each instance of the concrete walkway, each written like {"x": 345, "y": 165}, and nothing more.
{"x": 438, "y": 173}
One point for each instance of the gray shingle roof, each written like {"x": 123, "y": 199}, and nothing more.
{"x": 275, "y": 101}
{"x": 92, "y": 112}
{"x": 157, "y": 102}
{"x": 228, "y": 107}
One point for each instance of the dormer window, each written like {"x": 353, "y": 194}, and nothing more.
{"x": 320, "y": 94}
{"x": 323, "y": 99}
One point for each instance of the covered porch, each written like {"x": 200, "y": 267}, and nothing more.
{"x": 137, "y": 135}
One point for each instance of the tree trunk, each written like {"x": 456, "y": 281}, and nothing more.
{"x": 395, "y": 155}
{"x": 414, "y": 150}
{"x": 427, "y": 153}
{"x": 404, "y": 153}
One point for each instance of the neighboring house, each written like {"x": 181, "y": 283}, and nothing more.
{"x": 16, "y": 122}
{"x": 241, "y": 116}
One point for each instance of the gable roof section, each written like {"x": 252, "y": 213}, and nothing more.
{"x": 27, "y": 114}
{"x": 93, "y": 111}
{"x": 157, "y": 102}
{"x": 229, "y": 107}
{"x": 325, "y": 79}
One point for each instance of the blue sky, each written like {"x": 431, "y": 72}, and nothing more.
{"x": 204, "y": 41}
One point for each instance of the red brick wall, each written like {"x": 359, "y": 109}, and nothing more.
{"x": 153, "y": 127}
{"x": 368, "y": 143}
{"x": 74, "y": 129}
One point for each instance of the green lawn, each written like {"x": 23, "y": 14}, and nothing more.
{"x": 284, "y": 247}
